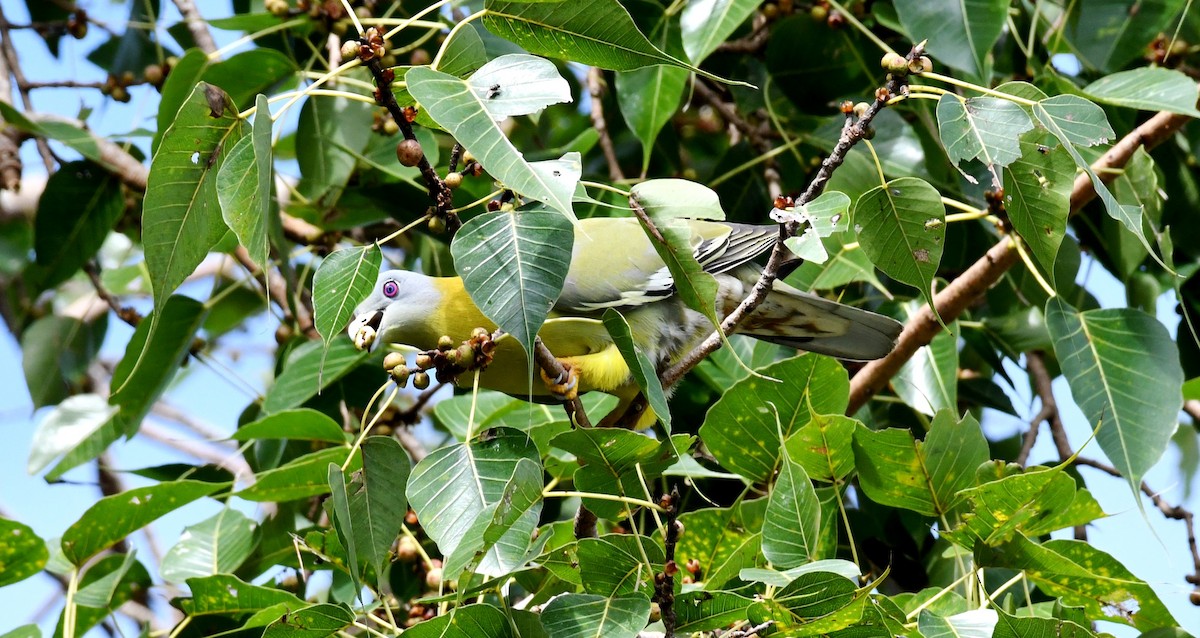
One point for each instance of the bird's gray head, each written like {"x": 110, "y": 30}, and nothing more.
{"x": 398, "y": 299}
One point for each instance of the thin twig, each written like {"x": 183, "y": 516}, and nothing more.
{"x": 595, "y": 80}
{"x": 196, "y": 25}
{"x": 124, "y": 313}
{"x": 555, "y": 370}
{"x": 297, "y": 310}
{"x": 1174, "y": 512}
{"x": 664, "y": 581}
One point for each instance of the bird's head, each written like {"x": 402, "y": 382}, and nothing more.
{"x": 395, "y": 311}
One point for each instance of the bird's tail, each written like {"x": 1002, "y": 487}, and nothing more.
{"x": 796, "y": 319}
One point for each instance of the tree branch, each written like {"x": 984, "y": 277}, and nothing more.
{"x": 988, "y": 270}
{"x": 595, "y": 78}
{"x": 196, "y": 25}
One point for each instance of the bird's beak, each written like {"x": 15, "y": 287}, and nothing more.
{"x": 362, "y": 330}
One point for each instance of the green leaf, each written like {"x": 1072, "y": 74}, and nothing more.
{"x": 520, "y": 502}
{"x": 338, "y": 507}
{"x": 1009, "y": 626}
{"x": 707, "y": 23}
{"x": 670, "y": 198}
{"x": 244, "y": 186}
{"x": 707, "y": 611}
{"x": 826, "y": 215}
{"x": 610, "y": 459}
{"x": 823, "y": 447}
{"x": 1037, "y": 189}
{"x": 923, "y": 476}
{"x": 493, "y": 409}
{"x": 1108, "y": 36}
{"x": 464, "y": 53}
{"x": 639, "y": 364}
{"x": 612, "y": 565}
{"x": 649, "y": 97}
{"x": 982, "y": 128}
{"x": 22, "y": 552}
{"x": 599, "y": 33}
{"x": 303, "y": 424}
{"x": 453, "y": 104}
{"x": 99, "y": 593}
{"x": 157, "y": 348}
{"x": 928, "y": 381}
{"x": 216, "y": 545}
{"x": 24, "y": 631}
{"x": 1085, "y": 576}
{"x": 55, "y": 354}
{"x": 513, "y": 266}
{"x": 316, "y": 621}
{"x": 67, "y": 426}
{"x": 724, "y": 541}
{"x": 226, "y": 595}
{"x": 518, "y": 84}
{"x": 743, "y": 428}
{"x": 343, "y": 280}
{"x": 592, "y": 616}
{"x": 77, "y": 210}
{"x": 902, "y": 228}
{"x": 109, "y": 592}
{"x": 961, "y": 33}
{"x": 309, "y": 370}
{"x": 977, "y": 623}
{"x": 74, "y": 137}
{"x": 181, "y": 220}
{"x": 469, "y": 621}
{"x": 299, "y": 478}
{"x": 793, "y": 518}
{"x": 1032, "y": 503}
{"x": 1074, "y": 120}
{"x": 781, "y": 579}
{"x": 1147, "y": 89}
{"x": 1123, "y": 369}
{"x": 114, "y": 517}
{"x": 377, "y": 505}
{"x": 333, "y": 131}
{"x": 815, "y": 603}
{"x": 449, "y": 488}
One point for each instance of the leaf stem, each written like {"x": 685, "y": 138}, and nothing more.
{"x": 437, "y": 59}
{"x": 366, "y": 427}
{"x": 1024, "y": 253}
{"x": 861, "y": 28}
{"x": 251, "y": 37}
{"x": 628, "y": 500}
{"x": 413, "y": 20}
{"x": 420, "y": 220}
{"x": 977, "y": 88}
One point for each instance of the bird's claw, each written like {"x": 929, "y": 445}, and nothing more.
{"x": 566, "y": 386}
{"x": 364, "y": 337}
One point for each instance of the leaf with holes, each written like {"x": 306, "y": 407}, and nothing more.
{"x": 902, "y": 228}
{"x": 982, "y": 128}
{"x": 181, "y": 218}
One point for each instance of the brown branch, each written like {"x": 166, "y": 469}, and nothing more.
{"x": 296, "y": 310}
{"x": 585, "y": 523}
{"x": 1173, "y": 512}
{"x": 555, "y": 370}
{"x": 124, "y": 313}
{"x": 595, "y": 79}
{"x": 371, "y": 52}
{"x": 988, "y": 270}
{"x": 755, "y": 134}
{"x": 751, "y": 44}
{"x": 196, "y": 25}
{"x": 14, "y": 67}
{"x": 664, "y": 581}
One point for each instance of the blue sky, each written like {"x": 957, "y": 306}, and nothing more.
{"x": 208, "y": 394}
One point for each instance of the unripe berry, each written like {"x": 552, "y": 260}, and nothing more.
{"x": 407, "y": 550}
{"x": 437, "y": 225}
{"x": 433, "y": 578}
{"x": 409, "y": 152}
{"x": 420, "y": 380}
{"x": 454, "y": 180}
{"x": 350, "y": 49}
{"x": 394, "y": 359}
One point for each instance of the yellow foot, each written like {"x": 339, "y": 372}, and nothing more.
{"x": 566, "y": 386}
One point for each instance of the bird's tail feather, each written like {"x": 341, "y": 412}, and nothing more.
{"x": 796, "y": 319}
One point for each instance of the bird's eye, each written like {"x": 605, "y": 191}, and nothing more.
{"x": 390, "y": 289}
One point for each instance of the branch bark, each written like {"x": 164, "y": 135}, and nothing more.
{"x": 196, "y": 25}
{"x": 595, "y": 79}
{"x": 988, "y": 270}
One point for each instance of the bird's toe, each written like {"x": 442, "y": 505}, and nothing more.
{"x": 566, "y": 386}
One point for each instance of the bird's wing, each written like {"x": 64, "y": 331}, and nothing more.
{"x": 616, "y": 266}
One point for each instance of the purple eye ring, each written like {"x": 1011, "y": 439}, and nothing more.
{"x": 390, "y": 289}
